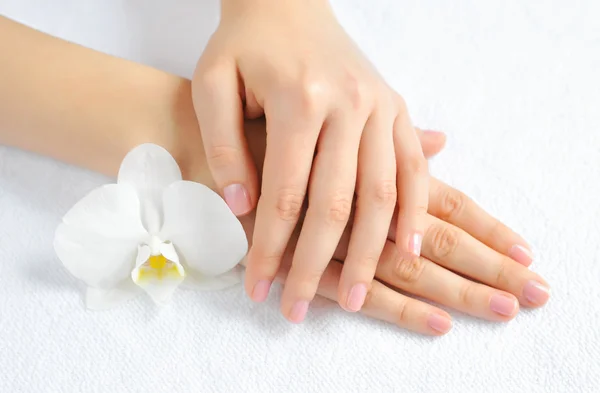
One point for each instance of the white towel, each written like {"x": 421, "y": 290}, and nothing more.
{"x": 516, "y": 86}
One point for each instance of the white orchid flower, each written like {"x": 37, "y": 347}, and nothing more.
{"x": 150, "y": 232}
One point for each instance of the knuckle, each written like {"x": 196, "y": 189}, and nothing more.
{"x": 402, "y": 314}
{"x": 309, "y": 279}
{"x": 264, "y": 258}
{"x": 466, "y": 296}
{"x": 501, "y": 279}
{"x": 452, "y": 204}
{"x": 370, "y": 298}
{"x": 312, "y": 95}
{"x": 444, "y": 242}
{"x": 385, "y": 99}
{"x": 262, "y": 261}
{"x": 357, "y": 91}
{"x": 498, "y": 230}
{"x": 210, "y": 78}
{"x": 384, "y": 194}
{"x": 415, "y": 165}
{"x": 367, "y": 262}
{"x": 338, "y": 209}
{"x": 401, "y": 105}
{"x": 408, "y": 270}
{"x": 223, "y": 156}
{"x": 289, "y": 204}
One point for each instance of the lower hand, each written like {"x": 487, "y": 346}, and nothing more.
{"x": 470, "y": 262}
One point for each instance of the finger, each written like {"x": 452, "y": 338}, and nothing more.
{"x": 291, "y": 141}
{"x": 387, "y": 305}
{"x": 421, "y": 277}
{"x": 413, "y": 185}
{"x": 331, "y": 190}
{"x": 453, "y": 248}
{"x": 376, "y": 199}
{"x": 456, "y": 208}
{"x": 432, "y": 142}
{"x": 220, "y": 115}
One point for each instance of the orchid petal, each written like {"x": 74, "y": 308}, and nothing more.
{"x": 97, "y": 238}
{"x": 197, "y": 282}
{"x": 168, "y": 251}
{"x": 149, "y": 169}
{"x": 143, "y": 254}
{"x": 161, "y": 290}
{"x": 103, "y": 299}
{"x": 207, "y": 235}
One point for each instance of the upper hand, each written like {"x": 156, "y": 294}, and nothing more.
{"x": 332, "y": 119}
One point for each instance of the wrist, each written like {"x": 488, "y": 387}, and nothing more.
{"x": 232, "y": 8}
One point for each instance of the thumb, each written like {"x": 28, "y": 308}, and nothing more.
{"x": 432, "y": 142}
{"x": 219, "y": 111}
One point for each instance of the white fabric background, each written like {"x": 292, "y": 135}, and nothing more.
{"x": 515, "y": 84}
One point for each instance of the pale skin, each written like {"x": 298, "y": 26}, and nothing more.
{"x": 89, "y": 109}
{"x": 335, "y": 129}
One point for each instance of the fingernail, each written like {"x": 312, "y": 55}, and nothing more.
{"x": 521, "y": 254}
{"x": 298, "y": 312}
{"x": 439, "y": 323}
{"x": 503, "y": 305}
{"x": 414, "y": 244}
{"x": 261, "y": 291}
{"x": 237, "y": 199}
{"x": 433, "y": 133}
{"x": 536, "y": 293}
{"x": 356, "y": 297}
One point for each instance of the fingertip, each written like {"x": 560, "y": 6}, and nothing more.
{"x": 432, "y": 142}
{"x": 354, "y": 299}
{"x": 521, "y": 254}
{"x": 411, "y": 243}
{"x": 439, "y": 323}
{"x": 415, "y": 243}
{"x": 504, "y": 305}
{"x": 261, "y": 290}
{"x": 297, "y": 312}
{"x": 237, "y": 198}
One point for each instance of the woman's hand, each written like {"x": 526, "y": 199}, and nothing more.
{"x": 332, "y": 119}
{"x": 470, "y": 262}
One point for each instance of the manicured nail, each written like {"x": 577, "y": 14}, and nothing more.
{"x": 237, "y": 199}
{"x": 299, "y": 311}
{"x": 414, "y": 244}
{"x": 439, "y": 323}
{"x": 503, "y": 305}
{"x": 536, "y": 293}
{"x": 261, "y": 291}
{"x": 356, "y": 297}
{"x": 434, "y": 134}
{"x": 521, "y": 254}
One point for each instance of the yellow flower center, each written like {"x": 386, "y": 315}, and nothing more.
{"x": 157, "y": 261}
{"x": 157, "y": 267}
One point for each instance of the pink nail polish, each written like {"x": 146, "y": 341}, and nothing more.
{"x": 433, "y": 133}
{"x": 298, "y": 312}
{"x": 536, "y": 293}
{"x": 521, "y": 255}
{"x": 356, "y": 297}
{"x": 237, "y": 199}
{"x": 261, "y": 291}
{"x": 503, "y": 305}
{"x": 414, "y": 244}
{"x": 439, "y": 323}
